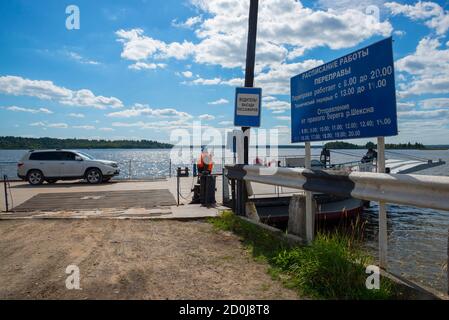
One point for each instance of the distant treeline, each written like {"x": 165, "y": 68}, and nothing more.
{"x": 52, "y": 143}
{"x": 346, "y": 145}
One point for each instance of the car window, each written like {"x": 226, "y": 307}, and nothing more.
{"x": 67, "y": 156}
{"x": 85, "y": 155}
{"x": 46, "y": 156}
{"x": 36, "y": 156}
{"x": 42, "y": 156}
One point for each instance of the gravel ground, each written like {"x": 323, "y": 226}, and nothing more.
{"x": 129, "y": 259}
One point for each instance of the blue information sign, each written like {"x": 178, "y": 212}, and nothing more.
{"x": 348, "y": 98}
{"x": 248, "y": 103}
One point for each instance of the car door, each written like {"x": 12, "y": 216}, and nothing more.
{"x": 46, "y": 162}
{"x": 70, "y": 166}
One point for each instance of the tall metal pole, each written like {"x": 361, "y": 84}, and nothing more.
{"x": 5, "y": 177}
{"x": 249, "y": 83}
{"x": 383, "y": 234}
{"x": 250, "y": 58}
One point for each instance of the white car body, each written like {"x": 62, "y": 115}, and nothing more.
{"x": 56, "y": 165}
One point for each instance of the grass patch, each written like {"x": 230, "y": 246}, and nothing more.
{"x": 332, "y": 267}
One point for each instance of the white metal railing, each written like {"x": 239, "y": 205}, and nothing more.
{"x": 416, "y": 190}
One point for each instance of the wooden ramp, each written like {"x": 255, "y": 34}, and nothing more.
{"x": 147, "y": 199}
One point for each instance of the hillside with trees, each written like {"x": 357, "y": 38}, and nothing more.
{"x": 15, "y": 143}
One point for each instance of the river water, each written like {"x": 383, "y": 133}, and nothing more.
{"x": 417, "y": 238}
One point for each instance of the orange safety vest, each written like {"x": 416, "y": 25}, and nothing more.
{"x": 205, "y": 162}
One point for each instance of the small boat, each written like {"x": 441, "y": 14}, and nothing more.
{"x": 329, "y": 208}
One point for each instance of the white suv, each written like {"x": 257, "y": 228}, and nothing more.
{"x": 53, "y": 165}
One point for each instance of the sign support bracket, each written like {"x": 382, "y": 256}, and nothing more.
{"x": 310, "y": 216}
{"x": 383, "y": 235}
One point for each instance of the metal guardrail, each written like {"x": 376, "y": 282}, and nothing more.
{"x": 416, "y": 190}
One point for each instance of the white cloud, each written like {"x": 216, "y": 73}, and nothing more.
{"x": 274, "y": 81}
{"x": 128, "y": 125}
{"x": 147, "y": 66}
{"x": 47, "y": 90}
{"x": 49, "y": 125}
{"x": 406, "y": 105}
{"x": 137, "y": 47}
{"x": 275, "y": 105}
{"x": 77, "y": 57}
{"x": 226, "y": 123}
{"x": 144, "y": 110}
{"x": 158, "y": 125}
{"x": 58, "y": 125}
{"x": 219, "y": 101}
{"x": 37, "y": 124}
{"x": 208, "y": 82}
{"x": 106, "y": 129}
{"x": 76, "y": 115}
{"x": 206, "y": 117}
{"x": 285, "y": 30}
{"x": 418, "y": 114}
{"x": 277, "y": 79}
{"x": 29, "y": 110}
{"x": 187, "y": 74}
{"x": 435, "y": 103}
{"x": 85, "y": 127}
{"x": 429, "y": 67}
{"x": 345, "y": 4}
{"x": 189, "y": 23}
{"x": 434, "y": 15}
{"x": 399, "y": 33}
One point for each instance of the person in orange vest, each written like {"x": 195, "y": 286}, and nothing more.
{"x": 205, "y": 162}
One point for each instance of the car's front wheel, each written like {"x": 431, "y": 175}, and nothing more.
{"x": 35, "y": 177}
{"x": 94, "y": 176}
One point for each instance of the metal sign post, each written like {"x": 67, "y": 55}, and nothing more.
{"x": 310, "y": 217}
{"x": 383, "y": 235}
{"x": 5, "y": 178}
{"x": 249, "y": 83}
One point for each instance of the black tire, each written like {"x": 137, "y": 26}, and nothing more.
{"x": 51, "y": 181}
{"x": 94, "y": 176}
{"x": 35, "y": 177}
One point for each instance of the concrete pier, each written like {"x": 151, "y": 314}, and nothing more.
{"x": 115, "y": 200}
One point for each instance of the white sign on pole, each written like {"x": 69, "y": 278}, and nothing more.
{"x": 247, "y": 107}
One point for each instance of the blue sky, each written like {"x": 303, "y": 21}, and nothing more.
{"x": 140, "y": 69}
